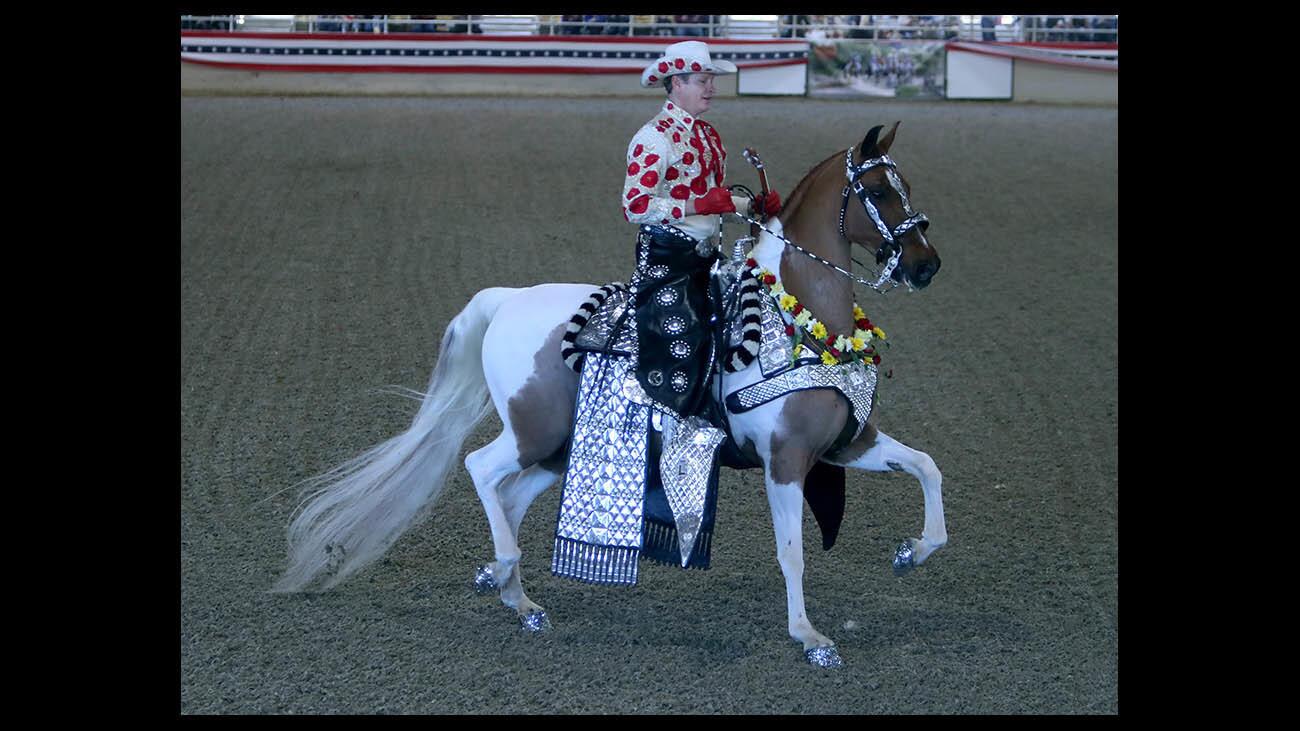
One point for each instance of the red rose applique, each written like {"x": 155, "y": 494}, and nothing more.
{"x": 663, "y": 220}
{"x": 651, "y": 159}
{"x": 671, "y": 174}
{"x": 663, "y": 67}
{"x": 695, "y": 66}
{"x": 633, "y": 193}
{"x": 650, "y": 178}
{"x": 653, "y": 79}
{"x": 677, "y": 137}
{"x": 670, "y": 105}
{"x": 640, "y": 204}
{"x": 633, "y": 169}
{"x": 680, "y": 192}
{"x": 677, "y": 212}
{"x": 688, "y": 158}
{"x": 700, "y": 185}
{"x": 679, "y": 63}
{"x": 636, "y": 151}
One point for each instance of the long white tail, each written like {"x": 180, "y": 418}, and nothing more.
{"x": 352, "y": 514}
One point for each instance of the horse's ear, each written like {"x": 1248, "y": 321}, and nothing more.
{"x": 869, "y": 142}
{"x": 888, "y": 139}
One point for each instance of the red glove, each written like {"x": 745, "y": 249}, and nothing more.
{"x": 717, "y": 200}
{"x": 771, "y": 204}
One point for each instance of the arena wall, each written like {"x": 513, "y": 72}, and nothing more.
{"x": 1034, "y": 80}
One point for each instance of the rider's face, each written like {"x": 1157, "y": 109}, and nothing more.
{"x": 693, "y": 92}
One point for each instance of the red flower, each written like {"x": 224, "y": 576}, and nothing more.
{"x": 679, "y": 63}
{"x": 636, "y": 151}
{"x": 640, "y": 204}
{"x": 695, "y": 66}
{"x": 834, "y": 353}
{"x": 663, "y": 67}
{"x": 633, "y": 193}
{"x": 797, "y": 308}
{"x": 680, "y": 192}
{"x": 863, "y": 324}
{"x": 875, "y": 360}
{"x": 633, "y": 169}
{"x": 830, "y": 342}
{"x": 789, "y": 329}
{"x": 672, "y": 174}
{"x": 769, "y": 279}
{"x": 651, "y": 159}
{"x": 751, "y": 263}
{"x": 650, "y": 178}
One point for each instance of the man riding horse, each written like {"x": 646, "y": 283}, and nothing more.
{"x": 642, "y": 471}
{"x": 676, "y": 165}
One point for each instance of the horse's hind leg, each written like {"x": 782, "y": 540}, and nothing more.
{"x": 496, "y": 469}
{"x": 517, "y": 494}
{"x": 878, "y": 452}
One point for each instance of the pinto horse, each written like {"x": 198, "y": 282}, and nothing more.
{"x": 502, "y": 352}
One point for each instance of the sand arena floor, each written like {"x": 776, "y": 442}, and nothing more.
{"x": 325, "y": 244}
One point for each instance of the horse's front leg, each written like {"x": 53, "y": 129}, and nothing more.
{"x": 878, "y": 452}
{"x": 786, "y": 501}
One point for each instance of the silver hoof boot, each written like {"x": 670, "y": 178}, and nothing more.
{"x": 904, "y": 558}
{"x": 485, "y": 582}
{"x": 824, "y": 657}
{"x": 535, "y": 621}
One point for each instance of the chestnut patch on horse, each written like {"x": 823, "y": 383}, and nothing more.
{"x": 541, "y": 412}
{"x": 858, "y": 447}
{"x": 808, "y": 426}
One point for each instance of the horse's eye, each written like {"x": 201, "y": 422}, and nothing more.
{"x": 877, "y": 194}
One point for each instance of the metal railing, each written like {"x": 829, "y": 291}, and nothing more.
{"x": 1033, "y": 28}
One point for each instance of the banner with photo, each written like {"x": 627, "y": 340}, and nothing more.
{"x": 887, "y": 68}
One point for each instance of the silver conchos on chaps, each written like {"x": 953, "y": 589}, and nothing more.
{"x": 642, "y": 473}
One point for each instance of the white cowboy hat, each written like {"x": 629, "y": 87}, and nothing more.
{"x": 687, "y": 57}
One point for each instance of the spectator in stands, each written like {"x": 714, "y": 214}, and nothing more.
{"x": 664, "y": 25}
{"x": 594, "y": 24}
{"x": 989, "y": 23}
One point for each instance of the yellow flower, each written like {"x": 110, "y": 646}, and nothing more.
{"x": 878, "y": 332}
{"x": 788, "y": 302}
{"x": 859, "y": 343}
{"x": 819, "y": 331}
{"x": 802, "y": 318}
{"x": 828, "y": 359}
{"x": 798, "y": 350}
{"x": 858, "y": 314}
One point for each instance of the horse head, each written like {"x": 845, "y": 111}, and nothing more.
{"x": 885, "y": 221}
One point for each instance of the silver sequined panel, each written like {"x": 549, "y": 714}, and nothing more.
{"x": 605, "y": 481}
{"x": 855, "y": 380}
{"x": 774, "y": 349}
{"x": 685, "y": 466}
{"x": 597, "y": 330}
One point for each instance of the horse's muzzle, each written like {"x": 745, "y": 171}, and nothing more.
{"x": 921, "y": 274}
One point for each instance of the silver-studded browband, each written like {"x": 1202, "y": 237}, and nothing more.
{"x": 889, "y": 246}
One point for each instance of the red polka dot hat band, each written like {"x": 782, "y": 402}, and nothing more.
{"x": 687, "y": 57}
